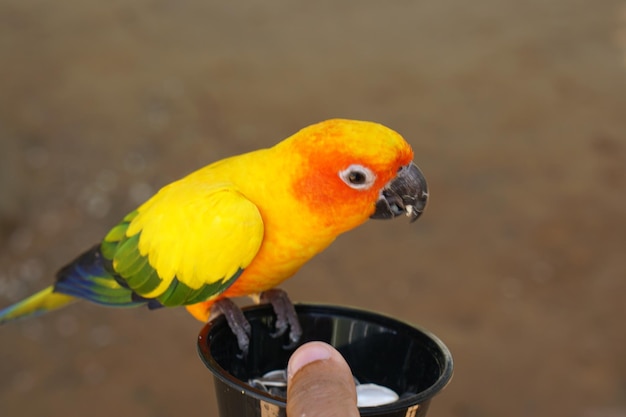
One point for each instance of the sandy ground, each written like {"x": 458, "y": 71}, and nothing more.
{"x": 516, "y": 111}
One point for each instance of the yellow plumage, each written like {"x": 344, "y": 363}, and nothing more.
{"x": 200, "y": 233}
{"x": 244, "y": 224}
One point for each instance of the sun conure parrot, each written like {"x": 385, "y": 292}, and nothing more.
{"x": 242, "y": 225}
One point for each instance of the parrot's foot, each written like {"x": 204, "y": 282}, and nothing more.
{"x": 286, "y": 317}
{"x": 236, "y": 321}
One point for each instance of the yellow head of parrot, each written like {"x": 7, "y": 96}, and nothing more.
{"x": 356, "y": 170}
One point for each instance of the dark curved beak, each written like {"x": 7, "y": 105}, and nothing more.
{"x": 406, "y": 194}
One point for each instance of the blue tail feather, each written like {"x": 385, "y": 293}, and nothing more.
{"x": 90, "y": 277}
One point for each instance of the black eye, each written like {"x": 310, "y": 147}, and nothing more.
{"x": 356, "y": 177}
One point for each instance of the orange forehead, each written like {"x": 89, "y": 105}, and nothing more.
{"x": 352, "y": 141}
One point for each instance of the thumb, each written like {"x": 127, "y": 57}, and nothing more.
{"x": 320, "y": 383}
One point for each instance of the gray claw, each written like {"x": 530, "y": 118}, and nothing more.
{"x": 236, "y": 321}
{"x": 286, "y": 316}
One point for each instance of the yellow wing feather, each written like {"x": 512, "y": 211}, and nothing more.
{"x": 198, "y": 233}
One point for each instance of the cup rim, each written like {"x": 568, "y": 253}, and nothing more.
{"x": 329, "y": 309}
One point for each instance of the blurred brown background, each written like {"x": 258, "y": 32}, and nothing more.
{"x": 516, "y": 111}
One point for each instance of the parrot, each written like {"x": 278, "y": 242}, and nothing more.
{"x": 242, "y": 225}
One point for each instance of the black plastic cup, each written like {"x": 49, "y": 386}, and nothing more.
{"x": 381, "y": 350}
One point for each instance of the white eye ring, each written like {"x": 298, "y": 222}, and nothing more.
{"x": 358, "y": 177}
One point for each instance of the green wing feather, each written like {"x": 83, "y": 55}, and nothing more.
{"x": 206, "y": 238}
{"x": 185, "y": 245}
